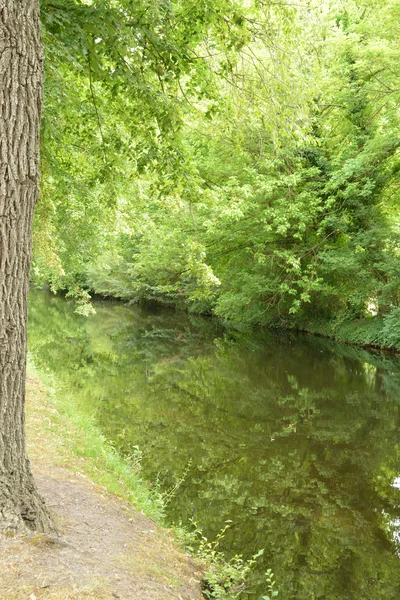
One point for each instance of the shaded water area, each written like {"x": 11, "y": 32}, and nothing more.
{"x": 293, "y": 439}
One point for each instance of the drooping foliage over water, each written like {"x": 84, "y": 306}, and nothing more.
{"x": 236, "y": 158}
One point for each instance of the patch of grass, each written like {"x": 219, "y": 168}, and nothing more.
{"x": 373, "y": 332}
{"x": 58, "y": 433}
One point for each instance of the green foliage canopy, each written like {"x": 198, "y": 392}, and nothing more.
{"x": 239, "y": 158}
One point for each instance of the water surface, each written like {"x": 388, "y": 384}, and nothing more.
{"x": 293, "y": 439}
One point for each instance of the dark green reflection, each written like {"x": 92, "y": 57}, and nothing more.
{"x": 293, "y": 439}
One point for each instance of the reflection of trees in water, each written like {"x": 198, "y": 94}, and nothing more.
{"x": 293, "y": 439}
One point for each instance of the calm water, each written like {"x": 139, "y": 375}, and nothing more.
{"x": 293, "y": 439}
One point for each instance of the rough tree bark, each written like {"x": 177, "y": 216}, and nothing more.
{"x": 21, "y": 83}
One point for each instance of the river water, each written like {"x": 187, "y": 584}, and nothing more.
{"x": 293, "y": 439}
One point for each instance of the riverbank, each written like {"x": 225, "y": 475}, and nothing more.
{"x": 107, "y": 548}
{"x": 370, "y": 333}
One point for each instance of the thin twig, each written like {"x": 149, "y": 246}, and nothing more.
{"x": 96, "y": 111}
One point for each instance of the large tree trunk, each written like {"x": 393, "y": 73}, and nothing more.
{"x": 21, "y": 83}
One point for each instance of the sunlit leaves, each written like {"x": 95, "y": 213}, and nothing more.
{"x": 230, "y": 157}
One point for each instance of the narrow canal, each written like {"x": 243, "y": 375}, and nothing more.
{"x": 293, "y": 439}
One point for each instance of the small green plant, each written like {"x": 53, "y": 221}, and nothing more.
{"x": 222, "y": 579}
{"x": 270, "y": 583}
{"x": 169, "y": 494}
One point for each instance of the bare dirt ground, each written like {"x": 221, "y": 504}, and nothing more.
{"x": 106, "y": 549}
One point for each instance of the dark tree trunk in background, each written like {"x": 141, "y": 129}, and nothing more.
{"x": 21, "y": 83}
